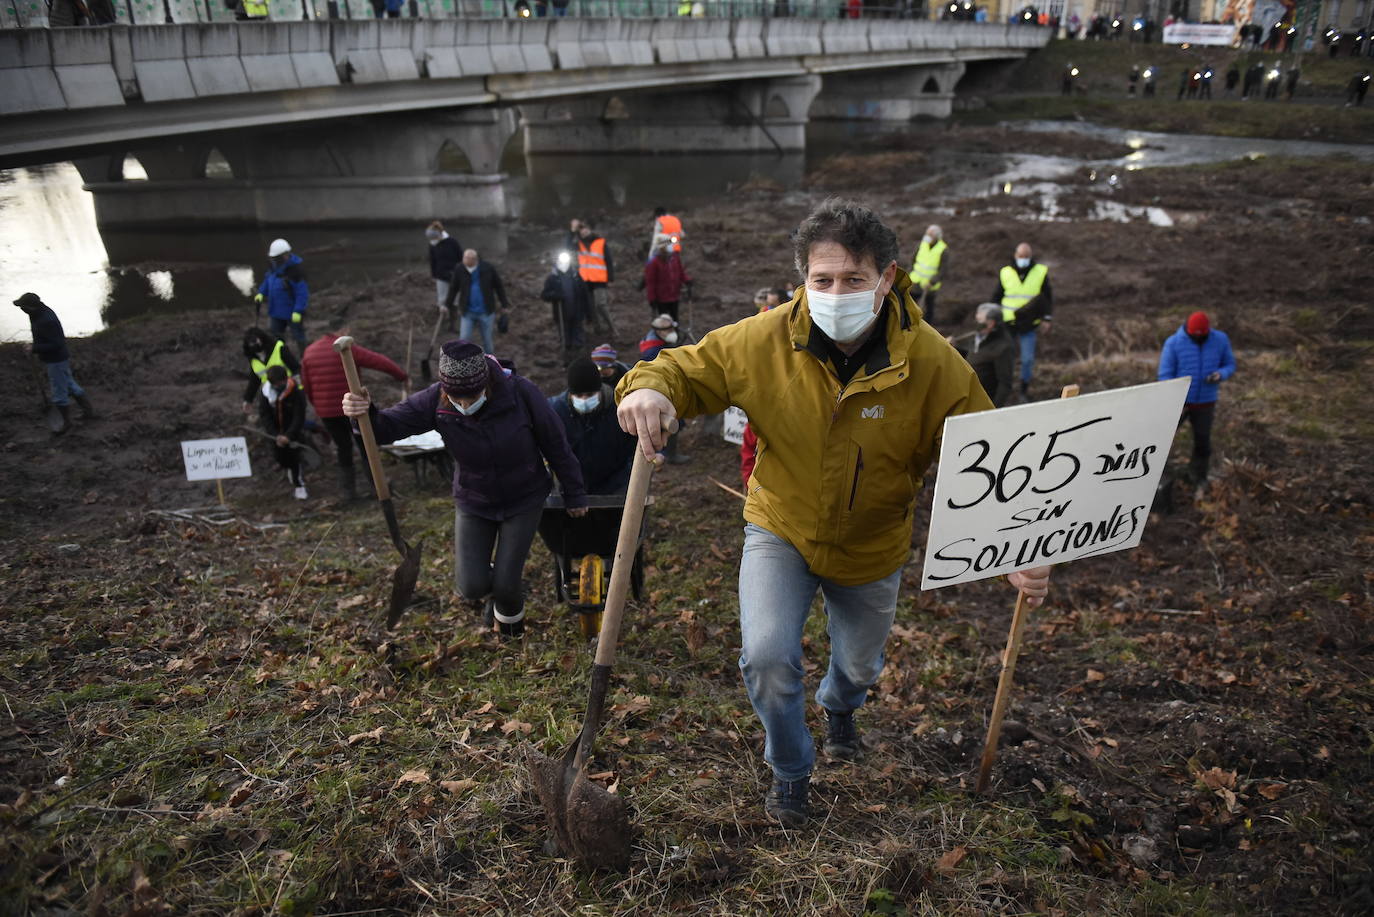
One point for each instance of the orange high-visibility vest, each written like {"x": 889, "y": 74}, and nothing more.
{"x": 671, "y": 226}
{"x": 591, "y": 262}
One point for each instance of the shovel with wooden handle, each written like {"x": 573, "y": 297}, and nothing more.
{"x": 403, "y": 579}
{"x": 589, "y": 823}
{"x": 425, "y": 365}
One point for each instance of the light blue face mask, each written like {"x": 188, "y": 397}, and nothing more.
{"x": 587, "y": 404}
{"x": 472, "y": 408}
{"x": 1023, "y": 262}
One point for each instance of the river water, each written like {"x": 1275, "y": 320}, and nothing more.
{"x": 50, "y": 244}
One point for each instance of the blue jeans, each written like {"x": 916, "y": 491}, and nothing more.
{"x": 63, "y": 384}
{"x": 473, "y": 323}
{"x": 279, "y": 325}
{"x": 775, "y": 593}
{"x": 1027, "y": 353}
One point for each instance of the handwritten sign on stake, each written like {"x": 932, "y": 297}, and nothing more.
{"x": 215, "y": 460}
{"x": 1048, "y": 482}
{"x": 732, "y": 429}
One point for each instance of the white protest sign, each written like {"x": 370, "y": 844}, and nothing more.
{"x": 735, "y": 420}
{"x": 214, "y": 459}
{"x": 1048, "y": 482}
{"x": 1192, "y": 33}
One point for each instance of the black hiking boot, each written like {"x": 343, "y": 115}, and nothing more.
{"x": 87, "y": 409}
{"x": 841, "y": 738}
{"x": 786, "y": 802}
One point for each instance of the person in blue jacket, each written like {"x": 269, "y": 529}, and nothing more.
{"x": 285, "y": 291}
{"x": 1203, "y": 354}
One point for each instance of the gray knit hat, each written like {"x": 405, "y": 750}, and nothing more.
{"x": 462, "y": 369}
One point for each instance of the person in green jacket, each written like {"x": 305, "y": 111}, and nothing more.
{"x": 847, "y": 391}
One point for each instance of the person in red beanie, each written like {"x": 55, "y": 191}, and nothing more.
{"x": 1199, "y": 352}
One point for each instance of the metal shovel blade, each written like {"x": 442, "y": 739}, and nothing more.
{"x": 587, "y": 822}
{"x": 403, "y": 582}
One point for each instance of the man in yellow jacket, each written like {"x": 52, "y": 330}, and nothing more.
{"x": 847, "y": 391}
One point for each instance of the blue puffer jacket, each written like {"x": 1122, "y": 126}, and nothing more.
{"x": 1183, "y": 357}
{"x": 284, "y": 288}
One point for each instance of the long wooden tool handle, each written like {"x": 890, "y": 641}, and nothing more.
{"x": 1002, "y": 700}
{"x": 625, "y": 547}
{"x": 438, "y": 323}
{"x": 410, "y": 341}
{"x": 344, "y": 346}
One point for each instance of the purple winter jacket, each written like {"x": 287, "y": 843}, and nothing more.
{"x": 499, "y": 451}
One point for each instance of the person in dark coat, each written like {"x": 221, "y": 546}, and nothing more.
{"x": 571, "y": 301}
{"x": 1254, "y": 75}
{"x": 444, "y": 255}
{"x": 477, "y": 288}
{"x": 1198, "y": 352}
{"x": 665, "y": 277}
{"x": 499, "y": 430}
{"x": 281, "y": 407}
{"x": 587, "y": 409}
{"x": 991, "y": 351}
{"x": 50, "y": 346}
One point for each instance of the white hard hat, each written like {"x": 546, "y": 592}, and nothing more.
{"x": 278, "y": 247}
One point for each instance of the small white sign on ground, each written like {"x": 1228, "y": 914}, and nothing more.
{"x": 1048, "y": 482}
{"x": 735, "y": 420}
{"x": 215, "y": 459}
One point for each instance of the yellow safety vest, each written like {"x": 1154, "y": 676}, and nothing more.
{"x": 1017, "y": 292}
{"x": 927, "y": 264}
{"x": 274, "y": 359}
{"x": 255, "y": 9}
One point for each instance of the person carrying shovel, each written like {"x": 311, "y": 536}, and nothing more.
{"x": 842, "y": 447}
{"x": 499, "y": 429}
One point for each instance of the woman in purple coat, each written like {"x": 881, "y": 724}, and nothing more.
{"x": 500, "y": 430}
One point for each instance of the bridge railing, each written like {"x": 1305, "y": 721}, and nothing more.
{"x": 45, "y": 70}
{"x": 43, "y": 13}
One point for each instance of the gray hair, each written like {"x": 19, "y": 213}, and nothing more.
{"x": 988, "y": 310}
{"x": 849, "y": 224}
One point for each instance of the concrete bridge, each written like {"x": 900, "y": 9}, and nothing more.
{"x": 259, "y": 122}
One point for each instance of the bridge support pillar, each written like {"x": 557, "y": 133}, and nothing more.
{"x": 925, "y": 90}
{"x": 404, "y": 168}
{"x": 747, "y": 116}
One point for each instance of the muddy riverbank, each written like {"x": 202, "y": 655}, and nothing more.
{"x": 204, "y": 717}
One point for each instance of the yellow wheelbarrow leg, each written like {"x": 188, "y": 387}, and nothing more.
{"x": 590, "y": 576}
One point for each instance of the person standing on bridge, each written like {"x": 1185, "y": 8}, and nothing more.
{"x": 285, "y": 290}
{"x": 596, "y": 268}
{"x": 928, "y": 268}
{"x": 1023, "y": 289}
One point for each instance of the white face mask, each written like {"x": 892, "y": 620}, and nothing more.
{"x": 470, "y": 409}
{"x": 669, "y": 337}
{"x": 1023, "y": 262}
{"x": 585, "y": 405}
{"x": 929, "y": 239}
{"x": 842, "y": 316}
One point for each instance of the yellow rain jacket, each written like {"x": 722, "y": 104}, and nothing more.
{"x": 838, "y": 467}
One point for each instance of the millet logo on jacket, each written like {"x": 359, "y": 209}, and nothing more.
{"x": 875, "y": 412}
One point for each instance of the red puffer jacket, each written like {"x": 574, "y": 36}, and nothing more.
{"x": 322, "y": 373}
{"x": 663, "y": 279}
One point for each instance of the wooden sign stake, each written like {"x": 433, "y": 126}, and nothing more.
{"x": 219, "y": 489}
{"x": 1002, "y": 701}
